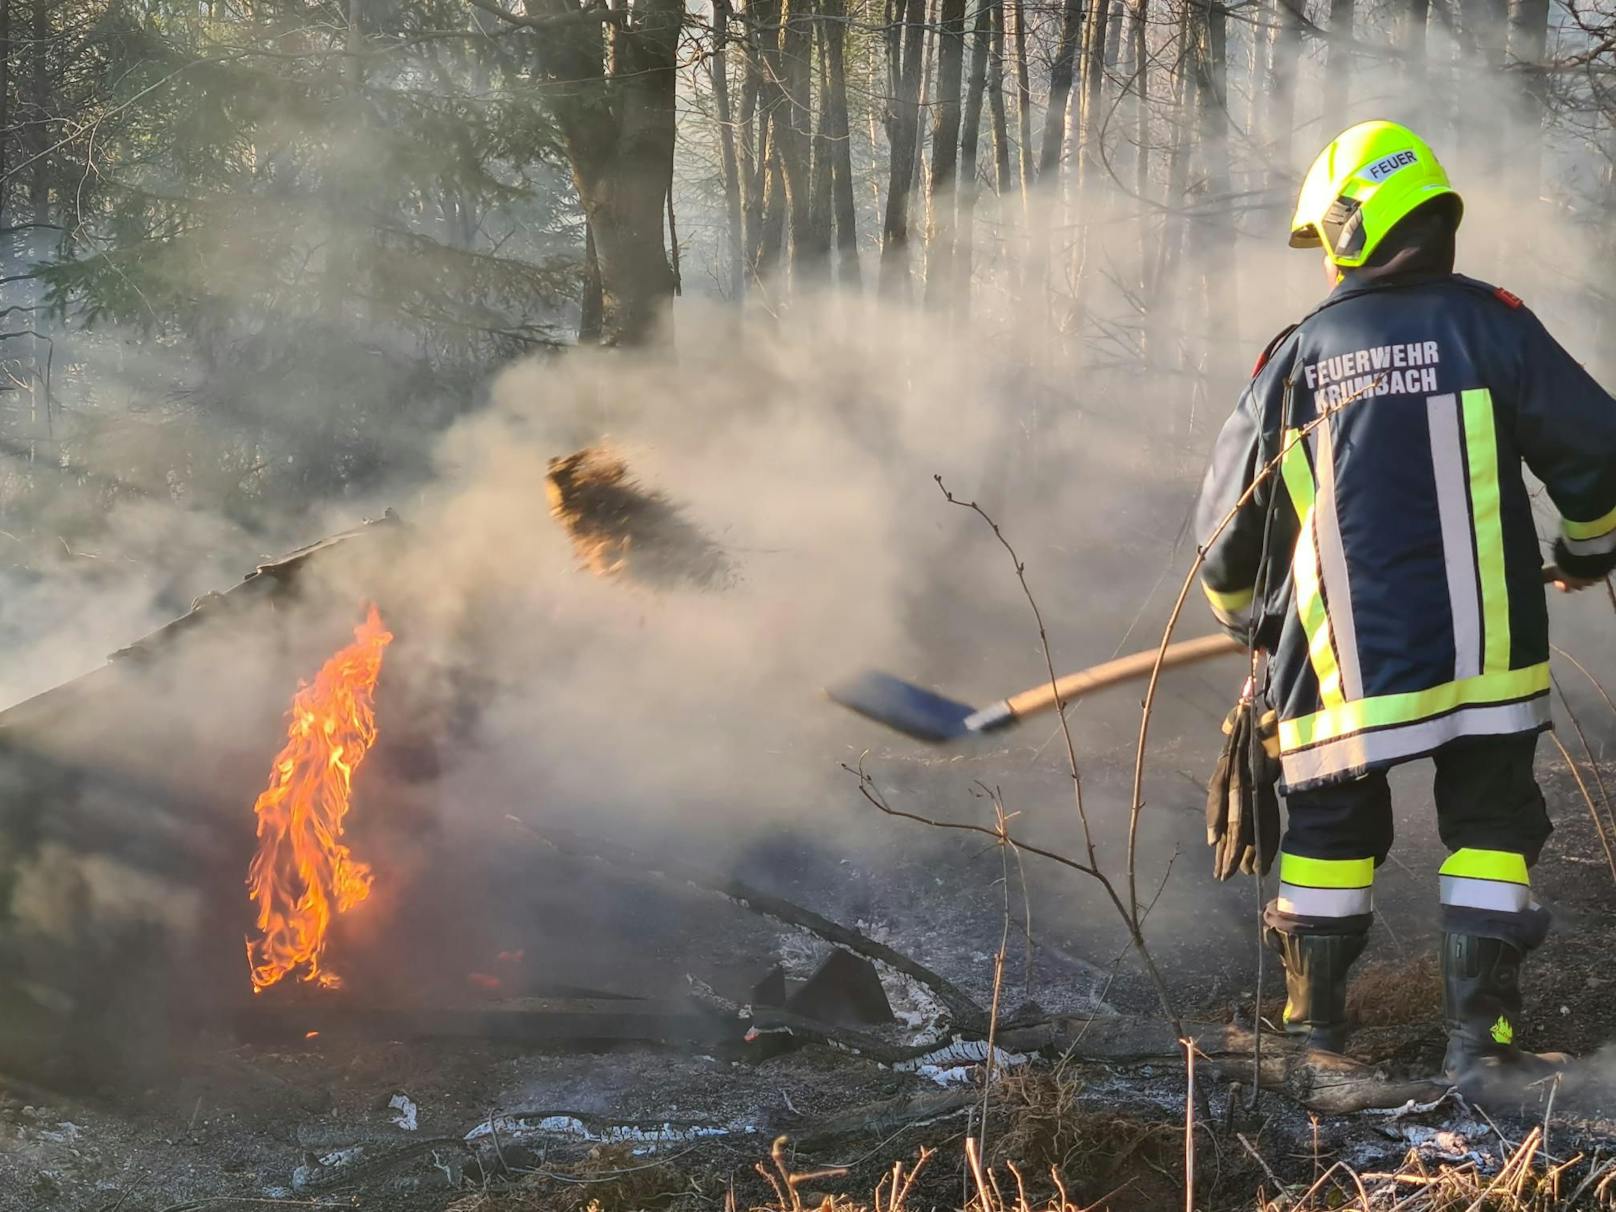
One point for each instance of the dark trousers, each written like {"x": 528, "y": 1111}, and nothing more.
{"x": 1487, "y": 798}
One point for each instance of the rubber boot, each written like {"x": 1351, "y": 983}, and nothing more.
{"x": 1481, "y": 1005}
{"x": 1316, "y": 968}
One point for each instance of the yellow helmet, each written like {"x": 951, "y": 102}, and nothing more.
{"x": 1369, "y": 177}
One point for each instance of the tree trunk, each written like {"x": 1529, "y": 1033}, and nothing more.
{"x": 726, "y": 136}
{"x": 591, "y": 305}
{"x": 1411, "y": 34}
{"x": 1060, "y": 90}
{"x": 1221, "y": 261}
{"x": 5, "y": 126}
{"x": 794, "y": 117}
{"x": 1023, "y": 98}
{"x": 834, "y": 15}
{"x": 39, "y": 210}
{"x": 1113, "y": 31}
{"x": 1287, "y": 50}
{"x": 753, "y": 153}
{"x": 1001, "y": 129}
{"x": 1484, "y": 25}
{"x": 1139, "y": 75}
{"x": 817, "y": 255}
{"x": 940, "y": 282}
{"x": 1528, "y": 42}
{"x": 970, "y": 137}
{"x": 904, "y": 129}
{"x": 622, "y": 157}
{"x": 1178, "y": 157}
{"x": 1338, "y": 65}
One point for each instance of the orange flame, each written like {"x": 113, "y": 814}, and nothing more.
{"x": 302, "y": 874}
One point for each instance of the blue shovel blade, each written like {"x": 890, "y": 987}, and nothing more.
{"x": 910, "y": 709}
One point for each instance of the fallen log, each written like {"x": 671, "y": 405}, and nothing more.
{"x": 964, "y": 1012}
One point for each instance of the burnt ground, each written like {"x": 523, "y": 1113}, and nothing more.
{"x": 223, "y": 1124}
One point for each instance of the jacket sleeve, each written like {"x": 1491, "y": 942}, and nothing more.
{"x": 1566, "y": 427}
{"x": 1229, "y": 572}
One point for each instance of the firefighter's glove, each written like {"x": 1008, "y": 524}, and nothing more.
{"x": 1242, "y": 808}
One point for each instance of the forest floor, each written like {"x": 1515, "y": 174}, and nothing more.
{"x": 507, "y": 1128}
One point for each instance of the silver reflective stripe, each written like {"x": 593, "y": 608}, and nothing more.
{"x": 1461, "y": 890}
{"x": 1411, "y": 740}
{"x": 1324, "y": 902}
{"x": 1458, "y": 549}
{"x": 1603, "y": 545}
{"x": 1333, "y": 565}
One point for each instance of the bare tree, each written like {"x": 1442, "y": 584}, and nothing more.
{"x": 970, "y": 138}
{"x": 940, "y": 283}
{"x": 617, "y": 124}
{"x": 833, "y": 31}
{"x": 903, "y": 128}
{"x": 734, "y": 230}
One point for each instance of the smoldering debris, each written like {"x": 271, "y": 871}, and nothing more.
{"x": 619, "y": 527}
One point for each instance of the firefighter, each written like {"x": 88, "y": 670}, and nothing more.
{"x": 1402, "y": 608}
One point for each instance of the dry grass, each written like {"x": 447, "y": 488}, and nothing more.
{"x": 1528, "y": 1181}
{"x": 619, "y": 527}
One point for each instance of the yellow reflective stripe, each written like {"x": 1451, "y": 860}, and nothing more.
{"x": 1502, "y": 865}
{"x": 1325, "y": 873}
{"x": 1298, "y": 477}
{"x": 1388, "y": 709}
{"x": 1486, "y": 517}
{"x": 1229, "y": 603}
{"x": 1589, "y": 530}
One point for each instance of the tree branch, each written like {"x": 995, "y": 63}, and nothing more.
{"x": 582, "y": 16}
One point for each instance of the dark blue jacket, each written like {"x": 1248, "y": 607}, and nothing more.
{"x": 1403, "y": 605}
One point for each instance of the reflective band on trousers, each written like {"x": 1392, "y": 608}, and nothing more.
{"x": 1363, "y": 750}
{"x": 1486, "y": 879}
{"x": 1231, "y": 609}
{"x": 1310, "y": 887}
{"x": 1598, "y": 528}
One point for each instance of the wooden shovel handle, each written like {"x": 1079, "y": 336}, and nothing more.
{"x": 1123, "y": 669}
{"x": 1139, "y": 664}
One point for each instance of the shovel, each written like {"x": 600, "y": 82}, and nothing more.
{"x": 918, "y": 712}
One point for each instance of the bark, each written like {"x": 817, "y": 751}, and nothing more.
{"x": 39, "y": 192}
{"x": 753, "y": 152}
{"x": 1001, "y": 129}
{"x": 970, "y": 137}
{"x": 940, "y": 284}
{"x": 1140, "y": 78}
{"x": 1338, "y": 64}
{"x": 1023, "y": 97}
{"x": 1286, "y": 52}
{"x": 779, "y": 148}
{"x": 5, "y": 121}
{"x": 1060, "y": 89}
{"x": 618, "y": 131}
{"x": 817, "y": 254}
{"x": 1221, "y": 256}
{"x": 795, "y": 122}
{"x": 734, "y": 231}
{"x": 834, "y": 16}
{"x": 1483, "y": 25}
{"x": 589, "y": 309}
{"x": 1411, "y": 33}
{"x": 904, "y": 128}
{"x": 1528, "y": 42}
{"x": 1178, "y": 157}
{"x": 1113, "y": 31}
